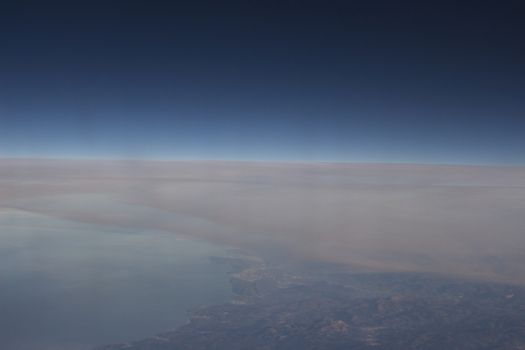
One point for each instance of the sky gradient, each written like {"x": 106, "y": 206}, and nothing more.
{"x": 304, "y": 81}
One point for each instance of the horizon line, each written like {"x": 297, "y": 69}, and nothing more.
{"x": 263, "y": 161}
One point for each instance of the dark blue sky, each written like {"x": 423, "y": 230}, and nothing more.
{"x": 287, "y": 80}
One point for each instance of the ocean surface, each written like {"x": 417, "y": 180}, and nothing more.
{"x": 69, "y": 285}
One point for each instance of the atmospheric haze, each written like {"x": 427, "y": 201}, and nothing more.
{"x": 464, "y": 220}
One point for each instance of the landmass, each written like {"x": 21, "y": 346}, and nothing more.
{"x": 329, "y": 306}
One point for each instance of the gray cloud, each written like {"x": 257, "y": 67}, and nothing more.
{"x": 467, "y": 220}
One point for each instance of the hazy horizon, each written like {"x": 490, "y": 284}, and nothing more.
{"x": 463, "y": 220}
{"x": 327, "y": 174}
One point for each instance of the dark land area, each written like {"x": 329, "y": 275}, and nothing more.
{"x": 332, "y": 307}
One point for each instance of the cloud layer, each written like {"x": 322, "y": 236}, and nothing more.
{"x": 466, "y": 220}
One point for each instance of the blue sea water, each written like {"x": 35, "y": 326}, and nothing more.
{"x": 68, "y": 285}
